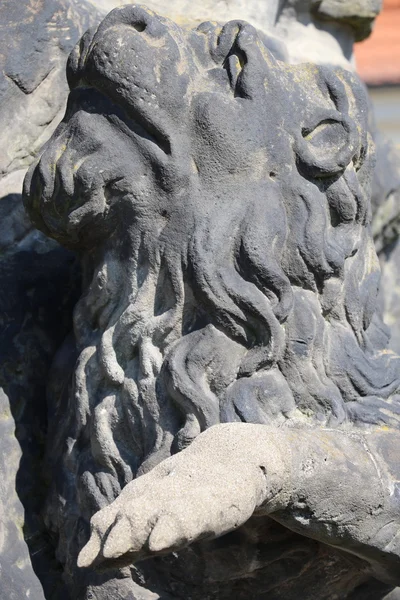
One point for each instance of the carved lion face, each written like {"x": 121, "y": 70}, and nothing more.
{"x": 163, "y": 121}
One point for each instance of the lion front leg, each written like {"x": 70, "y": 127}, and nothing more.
{"x": 346, "y": 493}
{"x": 329, "y": 485}
{"x": 208, "y": 489}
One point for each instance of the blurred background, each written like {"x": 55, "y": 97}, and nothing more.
{"x": 378, "y": 63}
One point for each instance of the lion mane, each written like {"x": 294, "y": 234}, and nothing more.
{"x": 219, "y": 199}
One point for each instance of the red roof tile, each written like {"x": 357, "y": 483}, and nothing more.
{"x": 378, "y": 57}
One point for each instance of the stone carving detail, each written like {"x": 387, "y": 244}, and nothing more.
{"x": 220, "y": 201}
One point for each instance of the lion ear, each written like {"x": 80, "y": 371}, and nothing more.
{"x": 327, "y": 146}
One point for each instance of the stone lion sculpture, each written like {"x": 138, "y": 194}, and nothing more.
{"x": 232, "y": 411}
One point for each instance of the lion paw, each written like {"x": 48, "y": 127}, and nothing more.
{"x": 204, "y": 491}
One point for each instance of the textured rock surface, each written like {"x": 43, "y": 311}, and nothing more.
{"x": 17, "y": 580}
{"x": 195, "y": 173}
{"x": 36, "y": 38}
{"x": 38, "y": 279}
{"x": 358, "y": 15}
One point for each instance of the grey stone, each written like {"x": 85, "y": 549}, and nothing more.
{"x": 36, "y": 38}
{"x": 39, "y": 280}
{"x": 17, "y": 579}
{"x": 359, "y": 15}
{"x": 233, "y": 414}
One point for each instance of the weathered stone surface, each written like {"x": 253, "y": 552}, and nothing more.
{"x": 220, "y": 202}
{"x": 39, "y": 280}
{"x": 359, "y": 15}
{"x": 322, "y": 32}
{"x": 36, "y": 38}
{"x": 17, "y": 579}
{"x": 39, "y": 287}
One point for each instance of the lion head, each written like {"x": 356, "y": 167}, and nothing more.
{"x": 219, "y": 199}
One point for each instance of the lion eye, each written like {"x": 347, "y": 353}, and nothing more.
{"x": 326, "y": 138}
{"x": 328, "y": 147}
